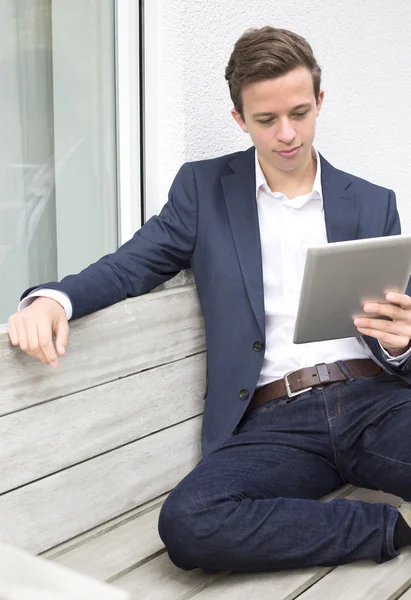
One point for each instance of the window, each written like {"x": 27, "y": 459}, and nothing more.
{"x": 69, "y": 143}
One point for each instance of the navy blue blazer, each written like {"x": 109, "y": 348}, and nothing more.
{"x": 210, "y": 223}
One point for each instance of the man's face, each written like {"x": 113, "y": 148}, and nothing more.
{"x": 280, "y": 114}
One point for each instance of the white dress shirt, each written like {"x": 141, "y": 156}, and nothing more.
{"x": 287, "y": 229}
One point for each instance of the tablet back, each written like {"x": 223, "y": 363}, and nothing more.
{"x": 340, "y": 277}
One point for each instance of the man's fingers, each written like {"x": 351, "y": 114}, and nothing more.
{"x": 34, "y": 345}
{"x": 395, "y": 334}
{"x": 398, "y": 309}
{"x": 33, "y": 327}
{"x": 14, "y": 338}
{"x": 28, "y": 340}
{"x": 397, "y": 327}
{"x": 402, "y": 300}
{"x": 392, "y": 311}
{"x": 23, "y": 341}
{"x": 386, "y": 338}
{"x": 22, "y": 336}
{"x": 32, "y": 337}
{"x": 45, "y": 338}
{"x": 62, "y": 335}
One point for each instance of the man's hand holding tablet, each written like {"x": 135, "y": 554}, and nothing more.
{"x": 395, "y": 334}
{"x": 357, "y": 287}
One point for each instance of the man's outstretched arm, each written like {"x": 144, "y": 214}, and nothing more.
{"x": 158, "y": 251}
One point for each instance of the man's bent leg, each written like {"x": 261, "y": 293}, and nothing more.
{"x": 378, "y": 456}
{"x": 252, "y": 505}
{"x": 370, "y": 422}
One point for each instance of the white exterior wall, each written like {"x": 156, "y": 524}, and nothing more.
{"x": 363, "y": 49}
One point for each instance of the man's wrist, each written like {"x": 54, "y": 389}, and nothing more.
{"x": 56, "y": 295}
{"x": 394, "y": 352}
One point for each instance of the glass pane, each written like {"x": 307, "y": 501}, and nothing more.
{"x": 58, "y": 204}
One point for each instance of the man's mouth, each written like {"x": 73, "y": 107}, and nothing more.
{"x": 289, "y": 153}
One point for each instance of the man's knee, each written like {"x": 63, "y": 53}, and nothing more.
{"x": 191, "y": 526}
{"x": 174, "y": 526}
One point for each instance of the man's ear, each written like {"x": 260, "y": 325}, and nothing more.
{"x": 238, "y": 118}
{"x": 320, "y": 102}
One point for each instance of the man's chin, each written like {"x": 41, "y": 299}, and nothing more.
{"x": 282, "y": 166}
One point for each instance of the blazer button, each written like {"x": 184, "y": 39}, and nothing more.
{"x": 258, "y": 346}
{"x": 244, "y": 394}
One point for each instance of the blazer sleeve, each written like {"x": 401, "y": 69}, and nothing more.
{"x": 392, "y": 227}
{"x": 157, "y": 252}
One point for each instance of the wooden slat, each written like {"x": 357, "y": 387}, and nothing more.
{"x": 364, "y": 579}
{"x": 126, "y": 338}
{"x": 159, "y": 579}
{"x": 406, "y": 596}
{"x": 374, "y": 496}
{"x": 343, "y": 492}
{"x": 88, "y": 423}
{"x": 56, "y": 552}
{"x": 57, "y": 508}
{"x": 117, "y": 551}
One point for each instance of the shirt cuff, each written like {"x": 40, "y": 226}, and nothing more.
{"x": 396, "y": 361}
{"x": 60, "y": 297}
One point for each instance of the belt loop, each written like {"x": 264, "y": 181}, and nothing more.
{"x": 322, "y": 372}
{"x": 344, "y": 368}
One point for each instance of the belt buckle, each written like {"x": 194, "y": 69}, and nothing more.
{"x": 291, "y": 394}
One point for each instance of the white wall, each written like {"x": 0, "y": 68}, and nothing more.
{"x": 363, "y": 49}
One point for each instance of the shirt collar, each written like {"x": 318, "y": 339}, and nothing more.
{"x": 317, "y": 191}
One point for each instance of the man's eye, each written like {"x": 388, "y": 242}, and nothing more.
{"x": 299, "y": 115}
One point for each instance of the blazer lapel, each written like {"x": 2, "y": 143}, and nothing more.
{"x": 341, "y": 205}
{"x": 241, "y": 203}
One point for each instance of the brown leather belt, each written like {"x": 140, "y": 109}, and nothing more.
{"x": 297, "y": 382}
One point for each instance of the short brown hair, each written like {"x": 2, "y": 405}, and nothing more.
{"x": 267, "y": 53}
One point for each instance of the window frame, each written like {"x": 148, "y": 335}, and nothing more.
{"x": 128, "y": 61}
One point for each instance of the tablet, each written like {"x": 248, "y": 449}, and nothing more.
{"x": 340, "y": 277}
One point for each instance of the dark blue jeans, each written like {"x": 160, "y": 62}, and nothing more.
{"x": 253, "y": 504}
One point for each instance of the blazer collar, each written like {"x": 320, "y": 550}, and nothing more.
{"x": 317, "y": 191}
{"x": 341, "y": 211}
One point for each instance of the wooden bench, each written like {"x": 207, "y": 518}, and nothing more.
{"x": 90, "y": 451}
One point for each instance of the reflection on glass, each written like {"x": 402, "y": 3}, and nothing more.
{"x": 57, "y": 141}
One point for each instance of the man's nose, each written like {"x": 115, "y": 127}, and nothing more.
{"x": 286, "y": 132}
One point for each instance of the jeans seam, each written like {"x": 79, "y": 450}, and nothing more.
{"x": 401, "y": 462}
{"x": 331, "y": 429}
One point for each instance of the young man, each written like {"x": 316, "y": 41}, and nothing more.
{"x": 243, "y": 223}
